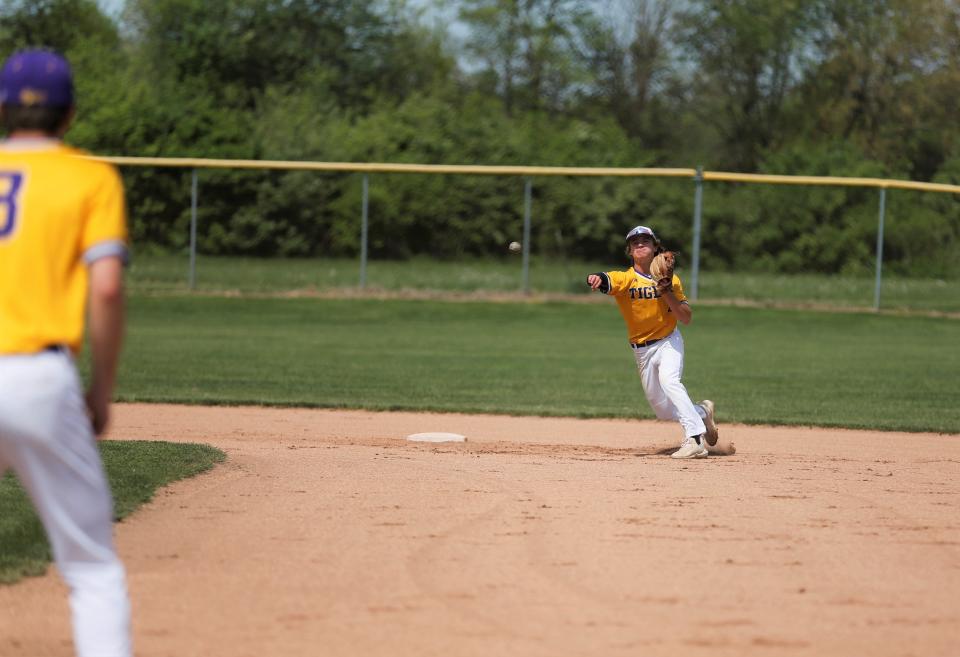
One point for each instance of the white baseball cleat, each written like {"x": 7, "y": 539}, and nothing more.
{"x": 713, "y": 434}
{"x": 693, "y": 447}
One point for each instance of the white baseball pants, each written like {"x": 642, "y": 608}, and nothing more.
{"x": 46, "y": 437}
{"x": 660, "y": 366}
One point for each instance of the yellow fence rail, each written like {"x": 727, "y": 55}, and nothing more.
{"x": 382, "y": 167}
{"x": 881, "y": 183}
{"x": 485, "y": 170}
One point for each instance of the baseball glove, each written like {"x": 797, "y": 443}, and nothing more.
{"x": 661, "y": 269}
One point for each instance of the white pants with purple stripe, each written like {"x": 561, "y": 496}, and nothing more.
{"x": 661, "y": 366}
{"x": 45, "y": 436}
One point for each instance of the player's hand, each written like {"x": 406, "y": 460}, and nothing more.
{"x": 98, "y": 407}
{"x": 594, "y": 281}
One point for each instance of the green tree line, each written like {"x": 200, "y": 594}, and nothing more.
{"x": 806, "y": 87}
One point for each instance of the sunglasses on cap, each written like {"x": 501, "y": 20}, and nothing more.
{"x": 641, "y": 230}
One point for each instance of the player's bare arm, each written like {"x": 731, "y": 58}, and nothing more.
{"x": 106, "y": 321}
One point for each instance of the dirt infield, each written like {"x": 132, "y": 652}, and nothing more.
{"x": 326, "y": 533}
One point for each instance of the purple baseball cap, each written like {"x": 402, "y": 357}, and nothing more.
{"x": 36, "y": 78}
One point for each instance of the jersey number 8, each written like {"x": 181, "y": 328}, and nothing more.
{"x": 8, "y": 201}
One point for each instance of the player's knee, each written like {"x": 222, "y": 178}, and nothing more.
{"x": 670, "y": 381}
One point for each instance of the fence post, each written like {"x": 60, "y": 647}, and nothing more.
{"x": 527, "y": 201}
{"x": 697, "y": 222}
{"x": 883, "y": 211}
{"x": 193, "y": 230}
{"x": 364, "y": 231}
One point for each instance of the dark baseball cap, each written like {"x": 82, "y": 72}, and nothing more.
{"x": 36, "y": 78}
{"x": 640, "y": 230}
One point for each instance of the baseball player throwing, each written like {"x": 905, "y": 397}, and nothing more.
{"x": 62, "y": 248}
{"x": 651, "y": 308}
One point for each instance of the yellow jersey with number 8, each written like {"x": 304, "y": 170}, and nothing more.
{"x": 58, "y": 212}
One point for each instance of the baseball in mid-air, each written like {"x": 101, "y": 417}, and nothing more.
{"x": 514, "y": 246}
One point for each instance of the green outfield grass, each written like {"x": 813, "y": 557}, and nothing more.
{"x": 169, "y": 274}
{"x": 135, "y": 469}
{"x": 557, "y": 358}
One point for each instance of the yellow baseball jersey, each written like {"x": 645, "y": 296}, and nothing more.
{"x": 648, "y": 316}
{"x": 58, "y": 213}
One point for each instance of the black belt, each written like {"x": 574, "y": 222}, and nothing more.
{"x": 641, "y": 345}
{"x": 54, "y": 347}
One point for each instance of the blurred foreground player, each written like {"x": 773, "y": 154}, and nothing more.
{"x": 63, "y": 245}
